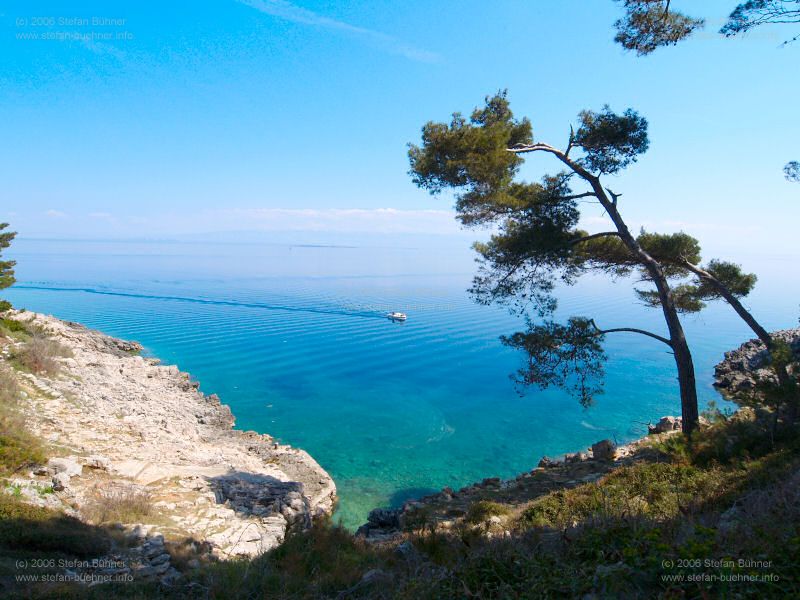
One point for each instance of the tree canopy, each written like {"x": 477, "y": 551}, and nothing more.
{"x": 650, "y": 24}
{"x": 6, "y": 266}
{"x": 536, "y": 240}
{"x": 792, "y": 171}
{"x": 754, "y": 13}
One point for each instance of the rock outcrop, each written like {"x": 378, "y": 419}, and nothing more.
{"x": 744, "y": 367}
{"x": 120, "y": 421}
{"x": 448, "y": 507}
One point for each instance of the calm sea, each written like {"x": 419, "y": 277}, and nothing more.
{"x": 294, "y": 338}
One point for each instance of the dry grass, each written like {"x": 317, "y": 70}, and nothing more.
{"x": 120, "y": 504}
{"x": 40, "y": 354}
{"x": 9, "y": 389}
{"x": 18, "y": 448}
{"x": 484, "y": 509}
{"x": 35, "y": 529}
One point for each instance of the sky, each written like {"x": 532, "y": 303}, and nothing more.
{"x": 153, "y": 119}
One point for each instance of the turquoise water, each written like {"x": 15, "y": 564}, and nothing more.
{"x": 295, "y": 340}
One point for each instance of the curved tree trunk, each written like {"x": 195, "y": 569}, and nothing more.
{"x": 762, "y": 333}
{"x": 784, "y": 379}
{"x": 677, "y": 337}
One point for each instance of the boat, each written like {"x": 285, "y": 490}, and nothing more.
{"x": 397, "y": 316}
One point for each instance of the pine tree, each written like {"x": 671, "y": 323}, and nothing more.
{"x": 538, "y": 243}
{"x": 6, "y": 266}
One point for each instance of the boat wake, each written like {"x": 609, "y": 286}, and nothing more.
{"x": 365, "y": 314}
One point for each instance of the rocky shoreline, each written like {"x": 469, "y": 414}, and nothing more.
{"x": 448, "y": 507}
{"x": 118, "y": 423}
{"x": 739, "y": 372}
{"x": 742, "y": 368}
{"x": 121, "y": 424}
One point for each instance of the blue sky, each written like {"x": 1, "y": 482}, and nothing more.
{"x": 275, "y": 115}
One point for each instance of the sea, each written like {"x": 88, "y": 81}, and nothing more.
{"x": 293, "y": 335}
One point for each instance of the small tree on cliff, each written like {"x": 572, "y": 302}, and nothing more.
{"x": 538, "y": 241}
{"x": 6, "y": 266}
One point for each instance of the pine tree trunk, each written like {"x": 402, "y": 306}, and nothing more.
{"x": 688, "y": 386}
{"x": 680, "y": 348}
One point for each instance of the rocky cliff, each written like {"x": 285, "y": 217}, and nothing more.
{"x": 124, "y": 426}
{"x": 743, "y": 368}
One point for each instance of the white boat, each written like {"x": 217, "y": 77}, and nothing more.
{"x": 397, "y": 316}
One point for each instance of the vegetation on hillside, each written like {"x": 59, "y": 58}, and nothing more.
{"x": 715, "y": 515}
{"x": 6, "y": 266}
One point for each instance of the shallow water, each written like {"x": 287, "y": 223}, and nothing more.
{"x": 295, "y": 340}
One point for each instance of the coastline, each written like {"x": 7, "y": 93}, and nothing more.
{"x": 739, "y": 372}
{"x": 447, "y": 508}
{"x": 118, "y": 421}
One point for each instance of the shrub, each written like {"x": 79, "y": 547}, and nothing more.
{"x": 120, "y": 504}
{"x": 18, "y": 448}
{"x": 653, "y": 490}
{"x": 483, "y": 509}
{"x": 32, "y": 528}
{"x": 39, "y": 354}
{"x": 12, "y": 326}
{"x": 729, "y": 440}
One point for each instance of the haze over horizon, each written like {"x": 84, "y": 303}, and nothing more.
{"x": 271, "y": 116}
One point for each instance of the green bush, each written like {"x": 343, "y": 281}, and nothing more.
{"x": 483, "y": 509}
{"x": 35, "y": 529}
{"x": 13, "y": 326}
{"x": 18, "y": 448}
{"x": 653, "y": 490}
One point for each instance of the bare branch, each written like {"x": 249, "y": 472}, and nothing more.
{"x": 576, "y": 167}
{"x": 613, "y": 196}
{"x": 576, "y": 196}
{"x": 571, "y": 140}
{"x": 631, "y": 330}
{"x": 595, "y": 236}
{"x": 523, "y": 148}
